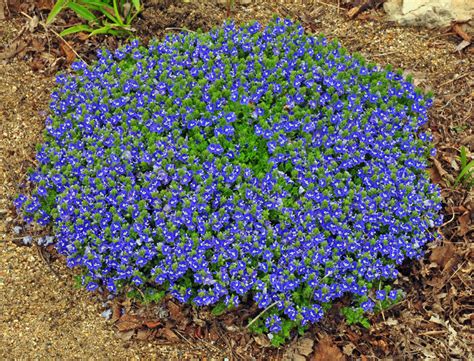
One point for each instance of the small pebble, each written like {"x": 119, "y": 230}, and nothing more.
{"x": 107, "y": 314}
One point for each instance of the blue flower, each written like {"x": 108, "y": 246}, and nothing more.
{"x": 252, "y": 163}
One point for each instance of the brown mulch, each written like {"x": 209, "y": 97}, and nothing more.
{"x": 44, "y": 315}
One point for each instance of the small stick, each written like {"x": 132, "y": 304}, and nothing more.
{"x": 454, "y": 79}
{"x": 40, "y": 252}
{"x": 261, "y": 313}
{"x": 58, "y": 35}
{"x": 181, "y": 29}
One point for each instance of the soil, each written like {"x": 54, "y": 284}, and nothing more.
{"x": 44, "y": 316}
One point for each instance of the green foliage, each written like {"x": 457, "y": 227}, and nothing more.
{"x": 466, "y": 175}
{"x": 355, "y": 315}
{"x": 219, "y": 309}
{"x": 102, "y": 17}
{"x": 148, "y": 296}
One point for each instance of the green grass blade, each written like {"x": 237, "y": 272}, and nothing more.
{"x": 137, "y": 5}
{"x": 117, "y": 13}
{"x": 76, "y": 29}
{"x": 463, "y": 157}
{"x": 60, "y": 4}
{"x": 465, "y": 170}
{"x": 82, "y": 12}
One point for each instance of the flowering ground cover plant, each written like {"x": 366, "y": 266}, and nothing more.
{"x": 243, "y": 163}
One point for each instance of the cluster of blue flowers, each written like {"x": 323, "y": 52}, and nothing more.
{"x": 244, "y": 162}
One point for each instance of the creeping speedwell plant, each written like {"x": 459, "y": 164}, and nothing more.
{"x": 244, "y": 163}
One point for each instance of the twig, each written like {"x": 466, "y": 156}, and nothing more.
{"x": 454, "y": 79}
{"x": 261, "y": 313}
{"x": 181, "y": 29}
{"x": 387, "y": 53}
{"x": 40, "y": 252}
{"x": 45, "y": 27}
{"x": 326, "y": 4}
{"x": 448, "y": 222}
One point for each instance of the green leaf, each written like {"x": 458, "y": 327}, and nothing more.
{"x": 465, "y": 170}
{"x": 219, "y": 309}
{"x": 60, "y": 4}
{"x": 463, "y": 157}
{"x": 137, "y": 5}
{"x": 103, "y": 7}
{"x": 76, "y": 29}
{"x": 117, "y": 13}
{"x": 103, "y": 30}
{"x": 82, "y": 11}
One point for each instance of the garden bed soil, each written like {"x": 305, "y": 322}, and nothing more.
{"x": 44, "y": 316}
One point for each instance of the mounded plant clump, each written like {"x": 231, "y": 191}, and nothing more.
{"x": 243, "y": 163}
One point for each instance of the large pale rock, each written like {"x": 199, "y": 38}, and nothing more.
{"x": 429, "y": 13}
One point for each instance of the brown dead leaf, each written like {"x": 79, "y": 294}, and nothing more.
{"x": 116, "y": 313}
{"x": 352, "y": 13}
{"x": 66, "y": 50}
{"x": 441, "y": 255}
{"x": 37, "y": 45}
{"x": 435, "y": 176}
{"x": 439, "y": 167}
{"x": 348, "y": 349}
{"x": 464, "y": 222}
{"x": 304, "y": 346}
{"x": 462, "y": 45}
{"x": 262, "y": 340}
{"x": 144, "y": 334}
{"x": 152, "y": 324}
{"x": 457, "y": 28}
{"x": 128, "y": 322}
{"x": 45, "y": 4}
{"x": 33, "y": 23}
{"x": 126, "y": 336}
{"x": 2, "y": 10}
{"x": 327, "y": 351}
{"x": 169, "y": 335}
{"x": 175, "y": 310}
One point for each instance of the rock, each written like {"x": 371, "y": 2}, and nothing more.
{"x": 429, "y": 13}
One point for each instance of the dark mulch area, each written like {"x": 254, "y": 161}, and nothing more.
{"x": 435, "y": 319}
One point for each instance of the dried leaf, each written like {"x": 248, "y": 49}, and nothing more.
{"x": 441, "y": 255}
{"x": 144, "y": 334}
{"x": 66, "y": 50}
{"x": 462, "y": 45}
{"x": 152, "y": 324}
{"x": 2, "y": 10}
{"x": 45, "y": 4}
{"x": 464, "y": 222}
{"x": 116, "y": 313}
{"x": 348, "y": 349}
{"x": 304, "y": 346}
{"x": 126, "y": 336}
{"x": 439, "y": 167}
{"x": 175, "y": 311}
{"x": 262, "y": 340}
{"x": 33, "y": 23}
{"x": 128, "y": 322}
{"x": 326, "y": 350}
{"x": 462, "y": 34}
{"x": 435, "y": 176}
{"x": 169, "y": 335}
